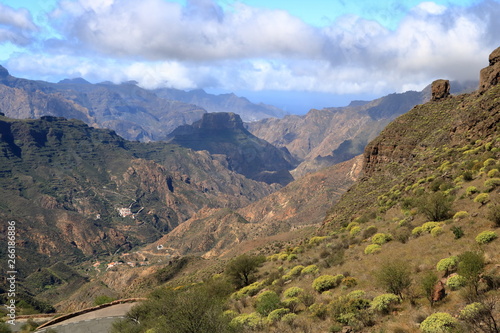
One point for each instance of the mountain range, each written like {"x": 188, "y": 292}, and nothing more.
{"x": 133, "y": 112}
{"x": 82, "y": 196}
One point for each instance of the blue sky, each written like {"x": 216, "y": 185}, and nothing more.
{"x": 294, "y": 54}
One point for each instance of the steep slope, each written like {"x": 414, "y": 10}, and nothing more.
{"x": 224, "y": 133}
{"x": 75, "y": 191}
{"x": 217, "y": 232}
{"x": 223, "y": 103}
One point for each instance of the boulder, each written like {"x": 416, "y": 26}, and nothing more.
{"x": 440, "y": 89}
{"x": 490, "y": 76}
{"x": 439, "y": 292}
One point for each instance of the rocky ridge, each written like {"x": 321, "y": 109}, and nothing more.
{"x": 224, "y": 133}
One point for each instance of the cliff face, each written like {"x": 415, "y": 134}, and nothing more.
{"x": 490, "y": 76}
{"x": 224, "y": 133}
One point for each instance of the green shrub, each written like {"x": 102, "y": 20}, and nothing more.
{"x": 482, "y": 198}
{"x": 447, "y": 265}
{"x": 317, "y": 240}
{"x": 230, "y": 314}
{"x": 494, "y": 173}
{"x": 247, "y": 320}
{"x": 352, "y": 311}
{"x": 356, "y": 294}
{"x": 292, "y": 303}
{"x": 417, "y": 231}
{"x": 471, "y": 190}
{"x": 294, "y": 272}
{"x": 250, "y": 290}
{"x": 372, "y": 248}
{"x": 381, "y": 238}
{"x": 428, "y": 226}
{"x": 384, "y": 303}
{"x": 352, "y": 225}
{"x": 292, "y": 257}
{"x": 439, "y": 322}
{"x": 293, "y": 291}
{"x": 311, "y": 269}
{"x": 491, "y": 184}
{"x": 480, "y": 317}
{"x": 486, "y": 237}
{"x": 277, "y": 314}
{"x": 289, "y": 318}
{"x": 460, "y": 215}
{"x": 355, "y": 231}
{"x": 489, "y": 162}
{"x": 349, "y": 282}
{"x": 319, "y": 310}
{"x": 283, "y": 256}
{"x": 266, "y": 302}
{"x": 472, "y": 311}
{"x": 436, "y": 231}
{"x": 456, "y": 282}
{"x": 327, "y": 282}
{"x": 457, "y": 231}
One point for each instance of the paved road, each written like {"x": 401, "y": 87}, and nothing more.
{"x": 99, "y": 321}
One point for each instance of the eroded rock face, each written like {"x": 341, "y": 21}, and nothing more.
{"x": 490, "y": 76}
{"x": 440, "y": 89}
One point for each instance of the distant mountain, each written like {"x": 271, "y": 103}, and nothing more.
{"x": 325, "y": 137}
{"x": 223, "y": 103}
{"x": 133, "y": 112}
{"x": 224, "y": 133}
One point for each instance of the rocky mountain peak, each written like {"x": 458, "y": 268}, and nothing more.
{"x": 3, "y": 72}
{"x": 495, "y": 56}
{"x": 440, "y": 89}
{"x": 220, "y": 120}
{"x": 490, "y": 75}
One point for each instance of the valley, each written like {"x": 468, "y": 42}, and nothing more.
{"x": 317, "y": 207}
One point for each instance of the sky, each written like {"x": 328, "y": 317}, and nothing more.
{"x": 293, "y": 54}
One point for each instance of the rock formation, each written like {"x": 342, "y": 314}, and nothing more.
{"x": 440, "y": 89}
{"x": 490, "y": 75}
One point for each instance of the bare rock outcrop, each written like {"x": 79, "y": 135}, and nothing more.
{"x": 490, "y": 76}
{"x": 440, "y": 89}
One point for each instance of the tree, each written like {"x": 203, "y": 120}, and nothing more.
{"x": 470, "y": 266}
{"x": 480, "y": 316}
{"x": 241, "y": 269}
{"x": 196, "y": 309}
{"x": 428, "y": 284}
{"x": 394, "y": 276}
{"x": 436, "y": 206}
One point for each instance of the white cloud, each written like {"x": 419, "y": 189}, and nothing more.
{"x": 431, "y": 8}
{"x": 16, "y": 26}
{"x": 200, "y": 45}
